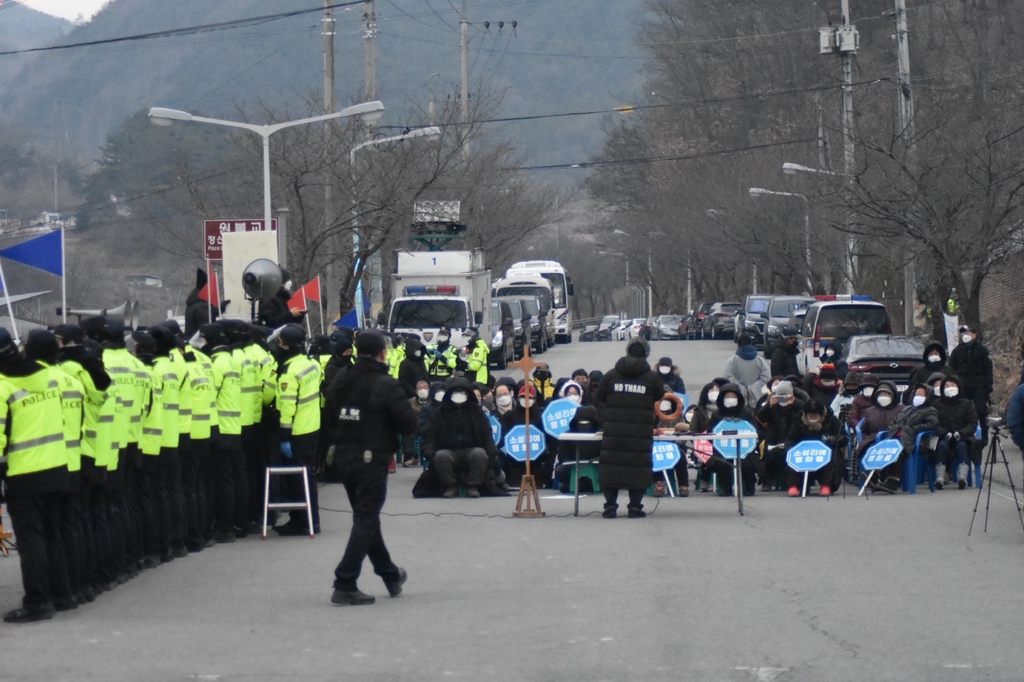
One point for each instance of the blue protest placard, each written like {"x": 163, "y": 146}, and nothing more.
{"x": 881, "y": 455}
{"x": 665, "y": 456}
{"x": 557, "y": 415}
{"x": 495, "y": 428}
{"x": 808, "y": 455}
{"x": 686, "y": 400}
{"x": 515, "y": 442}
{"x": 727, "y": 446}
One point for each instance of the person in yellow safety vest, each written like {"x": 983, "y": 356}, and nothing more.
{"x": 173, "y": 374}
{"x": 75, "y": 359}
{"x": 120, "y": 511}
{"x": 194, "y": 445}
{"x": 41, "y": 346}
{"x": 227, "y": 458}
{"x": 263, "y": 364}
{"x": 396, "y": 354}
{"x": 32, "y": 439}
{"x": 143, "y": 347}
{"x": 207, "y": 472}
{"x": 298, "y": 403}
{"x": 479, "y": 353}
{"x": 250, "y": 385}
{"x": 441, "y": 358}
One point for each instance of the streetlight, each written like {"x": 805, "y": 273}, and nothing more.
{"x": 794, "y": 168}
{"x": 650, "y": 270}
{"x": 376, "y": 276}
{"x": 756, "y": 192}
{"x": 368, "y": 111}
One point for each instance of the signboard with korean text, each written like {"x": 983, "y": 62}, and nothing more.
{"x": 515, "y": 442}
{"x": 808, "y": 455}
{"x": 213, "y": 231}
{"x": 727, "y": 447}
{"x": 881, "y": 455}
{"x": 495, "y": 428}
{"x": 557, "y": 415}
{"x": 664, "y": 456}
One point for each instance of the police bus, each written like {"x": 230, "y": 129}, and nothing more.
{"x": 561, "y": 292}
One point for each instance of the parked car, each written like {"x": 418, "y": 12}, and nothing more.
{"x": 589, "y": 333}
{"x": 751, "y": 317}
{"x": 718, "y": 323}
{"x": 636, "y": 328}
{"x": 667, "y": 327}
{"x": 503, "y": 344}
{"x": 780, "y": 314}
{"x": 521, "y": 321}
{"x": 621, "y": 329}
{"x": 695, "y": 329}
{"x": 833, "y": 320}
{"x": 890, "y": 358}
{"x": 605, "y": 327}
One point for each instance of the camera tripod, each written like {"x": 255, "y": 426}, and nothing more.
{"x": 994, "y": 446}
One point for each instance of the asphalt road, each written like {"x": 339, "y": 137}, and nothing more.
{"x": 879, "y": 588}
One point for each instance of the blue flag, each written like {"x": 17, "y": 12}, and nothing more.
{"x": 43, "y": 253}
{"x": 349, "y": 320}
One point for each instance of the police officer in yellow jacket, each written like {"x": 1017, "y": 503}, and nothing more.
{"x": 227, "y": 458}
{"x": 32, "y": 439}
{"x": 173, "y": 374}
{"x": 143, "y": 348}
{"x": 442, "y": 358}
{"x": 478, "y": 352}
{"x": 298, "y": 403}
{"x": 250, "y": 384}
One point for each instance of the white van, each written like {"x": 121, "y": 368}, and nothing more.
{"x": 831, "y": 320}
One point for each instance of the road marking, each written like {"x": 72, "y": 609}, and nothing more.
{"x": 764, "y": 674}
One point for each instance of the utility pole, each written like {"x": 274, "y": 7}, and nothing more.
{"x": 370, "y": 36}
{"x": 849, "y": 39}
{"x": 333, "y": 286}
{"x": 905, "y": 95}
{"x": 464, "y": 25}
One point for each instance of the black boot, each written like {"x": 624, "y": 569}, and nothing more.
{"x": 609, "y": 511}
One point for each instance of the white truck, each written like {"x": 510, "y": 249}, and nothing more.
{"x": 434, "y": 288}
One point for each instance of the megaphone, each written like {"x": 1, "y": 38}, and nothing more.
{"x": 262, "y": 279}
{"x": 124, "y": 310}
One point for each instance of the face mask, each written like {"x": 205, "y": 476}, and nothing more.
{"x": 488, "y": 402}
{"x": 784, "y": 400}
{"x": 584, "y": 425}
{"x": 828, "y": 383}
{"x": 918, "y": 400}
{"x": 814, "y": 419}
{"x": 418, "y": 354}
{"x": 575, "y": 398}
{"x": 422, "y": 394}
{"x": 665, "y": 406}
{"x": 935, "y": 359}
{"x": 503, "y": 400}
{"x": 936, "y": 389}
{"x": 951, "y": 391}
{"x": 884, "y": 400}
{"x": 523, "y": 402}
{"x": 459, "y": 398}
{"x": 197, "y": 341}
{"x": 730, "y": 402}
{"x": 868, "y": 391}
{"x": 829, "y": 353}
{"x": 442, "y": 338}
{"x": 713, "y": 396}
{"x": 664, "y": 370}
{"x": 439, "y": 396}
{"x": 966, "y": 338}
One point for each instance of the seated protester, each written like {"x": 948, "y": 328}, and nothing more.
{"x": 747, "y": 369}
{"x": 545, "y": 384}
{"x": 880, "y": 416}
{"x": 704, "y": 413}
{"x": 571, "y": 391}
{"x": 830, "y": 356}
{"x": 935, "y": 362}
{"x": 766, "y": 393}
{"x": 863, "y": 400}
{"x": 669, "y": 374}
{"x": 595, "y": 381}
{"x": 777, "y": 418}
{"x": 437, "y": 392}
{"x": 935, "y": 384}
{"x": 485, "y": 396}
{"x": 412, "y": 445}
{"x": 586, "y": 420}
{"x": 543, "y": 466}
{"x": 681, "y": 470}
{"x": 582, "y": 379}
{"x": 919, "y": 416}
{"x": 732, "y": 405}
{"x": 824, "y": 385}
{"x": 504, "y": 396}
{"x": 816, "y": 423}
{"x": 842, "y": 404}
{"x": 958, "y": 422}
{"x": 458, "y": 441}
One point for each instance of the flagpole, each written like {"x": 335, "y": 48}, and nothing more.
{"x": 321, "y": 292}
{"x": 63, "y": 280}
{"x": 209, "y": 296}
{"x": 10, "y": 309}
{"x": 305, "y": 306}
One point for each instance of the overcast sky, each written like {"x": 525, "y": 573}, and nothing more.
{"x": 68, "y": 9}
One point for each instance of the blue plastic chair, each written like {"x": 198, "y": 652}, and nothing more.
{"x": 914, "y": 464}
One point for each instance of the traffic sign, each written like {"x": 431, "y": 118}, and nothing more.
{"x": 881, "y": 455}
{"x": 557, "y": 415}
{"x": 808, "y": 455}
{"x": 515, "y": 442}
{"x": 213, "y": 229}
{"x": 664, "y": 456}
{"x": 495, "y": 428}
{"x": 727, "y": 446}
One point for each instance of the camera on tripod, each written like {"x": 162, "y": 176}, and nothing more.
{"x": 995, "y": 422}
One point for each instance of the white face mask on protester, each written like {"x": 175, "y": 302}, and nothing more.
{"x": 935, "y": 359}
{"x": 524, "y": 402}
{"x": 884, "y": 400}
{"x": 918, "y": 400}
{"x": 439, "y": 396}
{"x": 503, "y": 400}
{"x": 730, "y": 402}
{"x": 713, "y": 396}
{"x": 868, "y": 391}
{"x": 936, "y": 389}
{"x": 459, "y": 398}
{"x": 575, "y": 398}
{"x": 665, "y": 369}
{"x": 951, "y": 391}
{"x": 665, "y": 406}
{"x": 423, "y": 394}
{"x": 966, "y": 338}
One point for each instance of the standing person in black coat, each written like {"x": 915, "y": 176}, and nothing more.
{"x": 971, "y": 362}
{"x": 628, "y": 394}
{"x": 371, "y": 411}
{"x": 412, "y": 369}
{"x": 784, "y": 356}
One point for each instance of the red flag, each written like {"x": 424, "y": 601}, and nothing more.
{"x": 307, "y": 292}
{"x": 210, "y": 292}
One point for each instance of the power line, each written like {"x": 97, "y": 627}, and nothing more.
{"x": 188, "y": 30}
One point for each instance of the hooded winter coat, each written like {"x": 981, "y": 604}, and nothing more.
{"x": 878, "y": 419}
{"x": 748, "y": 370}
{"x": 956, "y": 414}
{"x": 628, "y": 394}
{"x": 778, "y": 420}
{"x": 921, "y": 374}
{"x": 912, "y": 420}
{"x": 673, "y": 382}
{"x": 862, "y": 402}
{"x": 972, "y": 363}
{"x": 455, "y": 427}
{"x": 412, "y": 370}
{"x": 784, "y": 360}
